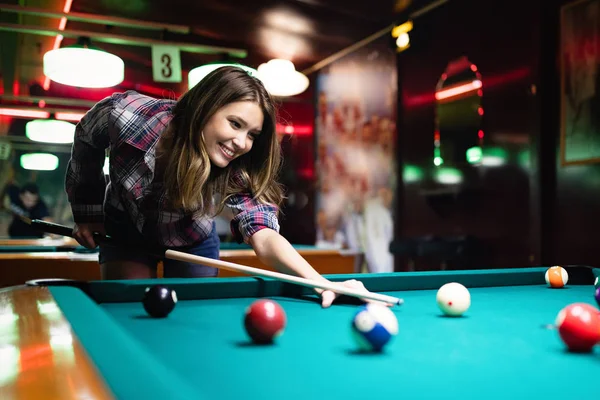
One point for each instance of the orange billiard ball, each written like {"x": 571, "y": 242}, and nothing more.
{"x": 556, "y": 277}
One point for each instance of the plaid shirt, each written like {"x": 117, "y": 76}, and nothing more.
{"x": 130, "y": 124}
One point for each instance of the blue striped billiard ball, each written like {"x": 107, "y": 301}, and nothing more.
{"x": 373, "y": 326}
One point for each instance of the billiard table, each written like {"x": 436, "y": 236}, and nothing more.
{"x": 66, "y": 339}
{"x": 57, "y": 242}
{"x": 21, "y": 263}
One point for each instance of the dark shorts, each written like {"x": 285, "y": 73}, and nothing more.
{"x": 125, "y": 233}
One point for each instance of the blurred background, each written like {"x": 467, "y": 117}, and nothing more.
{"x": 417, "y": 134}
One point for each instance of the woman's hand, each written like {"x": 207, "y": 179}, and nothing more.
{"x": 84, "y": 234}
{"x": 275, "y": 251}
{"x": 328, "y": 296}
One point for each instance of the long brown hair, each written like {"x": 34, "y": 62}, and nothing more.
{"x": 190, "y": 180}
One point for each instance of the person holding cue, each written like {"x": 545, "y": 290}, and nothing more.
{"x": 174, "y": 165}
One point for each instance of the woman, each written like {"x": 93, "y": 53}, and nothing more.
{"x": 173, "y": 166}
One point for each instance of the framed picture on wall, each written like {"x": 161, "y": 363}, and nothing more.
{"x": 580, "y": 85}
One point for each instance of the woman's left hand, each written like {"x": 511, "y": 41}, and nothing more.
{"x": 328, "y": 296}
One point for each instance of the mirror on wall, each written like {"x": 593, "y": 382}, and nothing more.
{"x": 458, "y": 136}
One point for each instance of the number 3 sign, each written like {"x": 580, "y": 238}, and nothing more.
{"x": 166, "y": 64}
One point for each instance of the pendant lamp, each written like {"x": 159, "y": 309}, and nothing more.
{"x": 281, "y": 78}
{"x": 83, "y": 65}
{"x": 50, "y": 131}
{"x": 198, "y": 73}
{"x": 39, "y": 162}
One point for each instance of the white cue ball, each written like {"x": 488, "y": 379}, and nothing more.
{"x": 453, "y": 299}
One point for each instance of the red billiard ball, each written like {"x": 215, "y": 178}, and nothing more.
{"x": 264, "y": 321}
{"x": 579, "y": 326}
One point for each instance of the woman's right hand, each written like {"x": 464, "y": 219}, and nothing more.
{"x": 84, "y": 234}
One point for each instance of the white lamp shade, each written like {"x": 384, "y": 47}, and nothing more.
{"x": 199, "y": 73}
{"x": 39, "y": 161}
{"x": 84, "y": 67}
{"x": 50, "y": 131}
{"x": 281, "y": 78}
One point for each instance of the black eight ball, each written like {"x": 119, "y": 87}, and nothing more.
{"x": 159, "y": 301}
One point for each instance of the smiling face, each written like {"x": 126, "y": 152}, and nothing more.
{"x": 214, "y": 125}
{"x": 231, "y": 131}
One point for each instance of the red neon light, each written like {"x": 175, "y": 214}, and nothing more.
{"x": 67, "y": 8}
{"x": 307, "y": 173}
{"x": 413, "y": 100}
{"x": 13, "y": 112}
{"x": 295, "y": 129}
{"x": 458, "y": 90}
{"x": 480, "y": 134}
{"x": 62, "y": 24}
{"x": 59, "y": 38}
{"x": 76, "y": 117}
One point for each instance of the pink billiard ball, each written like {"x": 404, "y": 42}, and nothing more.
{"x": 264, "y": 321}
{"x": 579, "y": 326}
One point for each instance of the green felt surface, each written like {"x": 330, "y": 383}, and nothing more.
{"x": 27, "y": 249}
{"x": 45, "y": 249}
{"x": 498, "y": 350}
{"x": 501, "y": 348}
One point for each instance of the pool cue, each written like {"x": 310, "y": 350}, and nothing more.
{"x": 57, "y": 229}
{"x": 47, "y": 227}
{"x": 181, "y": 256}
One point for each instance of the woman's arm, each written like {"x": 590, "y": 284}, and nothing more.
{"x": 84, "y": 179}
{"x": 275, "y": 251}
{"x": 257, "y": 224}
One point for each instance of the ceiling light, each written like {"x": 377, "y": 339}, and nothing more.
{"x": 82, "y": 65}
{"x": 403, "y": 41}
{"x": 281, "y": 78}
{"x": 50, "y": 131}
{"x": 198, "y": 73}
{"x": 39, "y": 161}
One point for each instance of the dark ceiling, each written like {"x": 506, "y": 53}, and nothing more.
{"x": 303, "y": 31}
